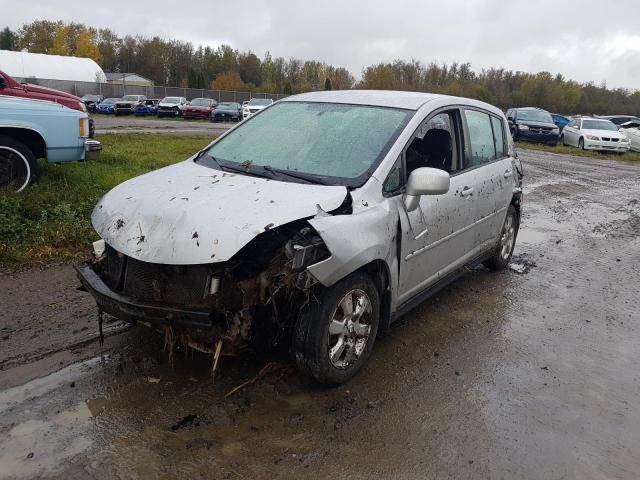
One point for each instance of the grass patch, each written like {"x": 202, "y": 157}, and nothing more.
{"x": 629, "y": 156}
{"x": 50, "y": 221}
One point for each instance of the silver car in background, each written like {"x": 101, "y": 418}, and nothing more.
{"x": 311, "y": 226}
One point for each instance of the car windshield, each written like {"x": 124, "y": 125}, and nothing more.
{"x": 109, "y": 101}
{"x": 331, "y": 143}
{"x": 131, "y": 98}
{"x": 599, "y": 125}
{"x": 228, "y": 106}
{"x": 260, "y": 101}
{"x": 535, "y": 116}
{"x": 171, "y": 100}
{"x": 200, "y": 102}
{"x": 91, "y": 98}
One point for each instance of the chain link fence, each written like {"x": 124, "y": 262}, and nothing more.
{"x": 118, "y": 90}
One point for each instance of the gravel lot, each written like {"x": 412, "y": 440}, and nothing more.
{"x": 527, "y": 373}
{"x": 132, "y": 124}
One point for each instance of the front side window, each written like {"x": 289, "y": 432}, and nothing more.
{"x": 433, "y": 145}
{"x": 481, "y": 142}
{"x": 336, "y": 143}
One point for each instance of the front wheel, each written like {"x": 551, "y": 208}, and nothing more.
{"x": 18, "y": 165}
{"x": 334, "y": 334}
{"x": 508, "y": 234}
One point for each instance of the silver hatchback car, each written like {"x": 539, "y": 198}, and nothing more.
{"x": 311, "y": 226}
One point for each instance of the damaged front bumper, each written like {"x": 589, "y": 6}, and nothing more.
{"x": 126, "y": 308}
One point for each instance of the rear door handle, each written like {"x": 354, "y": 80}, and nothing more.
{"x": 507, "y": 173}
{"x": 466, "y": 191}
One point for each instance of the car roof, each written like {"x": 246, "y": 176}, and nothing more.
{"x": 531, "y": 108}
{"x": 380, "y": 98}
{"x": 601, "y": 119}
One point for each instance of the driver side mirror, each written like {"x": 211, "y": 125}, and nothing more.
{"x": 425, "y": 181}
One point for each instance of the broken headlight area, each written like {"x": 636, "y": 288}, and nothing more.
{"x": 252, "y": 298}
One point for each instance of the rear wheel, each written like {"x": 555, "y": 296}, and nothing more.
{"x": 334, "y": 334}
{"x": 18, "y": 165}
{"x": 503, "y": 252}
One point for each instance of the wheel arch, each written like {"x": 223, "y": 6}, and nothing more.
{"x": 31, "y": 139}
{"x": 380, "y": 273}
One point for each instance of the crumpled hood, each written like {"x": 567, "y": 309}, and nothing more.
{"x": 191, "y": 214}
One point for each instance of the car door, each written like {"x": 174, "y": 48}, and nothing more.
{"x": 487, "y": 158}
{"x": 438, "y": 235}
{"x": 570, "y": 133}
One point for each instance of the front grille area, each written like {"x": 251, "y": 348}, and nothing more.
{"x": 607, "y": 139}
{"x": 157, "y": 283}
{"x": 540, "y": 130}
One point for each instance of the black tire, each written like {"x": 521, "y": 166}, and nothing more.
{"x": 502, "y": 256}
{"x": 18, "y": 166}
{"x": 311, "y": 338}
{"x": 581, "y": 144}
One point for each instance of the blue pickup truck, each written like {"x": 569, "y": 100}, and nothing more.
{"x": 31, "y": 129}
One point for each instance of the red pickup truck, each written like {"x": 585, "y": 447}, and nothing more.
{"x": 12, "y": 88}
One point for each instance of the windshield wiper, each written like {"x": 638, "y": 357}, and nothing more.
{"x": 287, "y": 173}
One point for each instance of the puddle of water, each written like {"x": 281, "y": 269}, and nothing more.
{"x": 35, "y": 447}
{"x": 41, "y": 386}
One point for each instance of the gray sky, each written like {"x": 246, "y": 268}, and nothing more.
{"x": 582, "y": 39}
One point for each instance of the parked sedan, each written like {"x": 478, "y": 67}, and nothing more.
{"x": 147, "y": 108}
{"x": 199, "y": 108}
{"x": 620, "y": 119}
{"x": 254, "y": 105}
{"x": 632, "y": 131}
{"x": 108, "y": 105}
{"x": 312, "y": 226}
{"x": 227, "y": 111}
{"x": 91, "y": 101}
{"x": 594, "y": 134}
{"x": 171, "y": 106}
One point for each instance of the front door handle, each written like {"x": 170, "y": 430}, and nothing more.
{"x": 507, "y": 173}
{"x": 466, "y": 191}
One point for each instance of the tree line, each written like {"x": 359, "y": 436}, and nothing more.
{"x": 178, "y": 63}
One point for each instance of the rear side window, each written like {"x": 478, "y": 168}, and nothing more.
{"x": 498, "y": 135}
{"x": 481, "y": 142}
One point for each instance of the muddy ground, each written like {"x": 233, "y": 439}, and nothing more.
{"x": 133, "y": 124}
{"x": 527, "y": 373}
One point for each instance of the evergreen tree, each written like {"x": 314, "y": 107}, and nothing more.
{"x": 327, "y": 84}
{"x": 7, "y": 39}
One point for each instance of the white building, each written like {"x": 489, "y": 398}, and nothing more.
{"x": 24, "y": 65}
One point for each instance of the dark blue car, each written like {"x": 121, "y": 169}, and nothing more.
{"x": 560, "y": 120}
{"x": 530, "y": 124}
{"x": 146, "y": 108}
{"x": 107, "y": 105}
